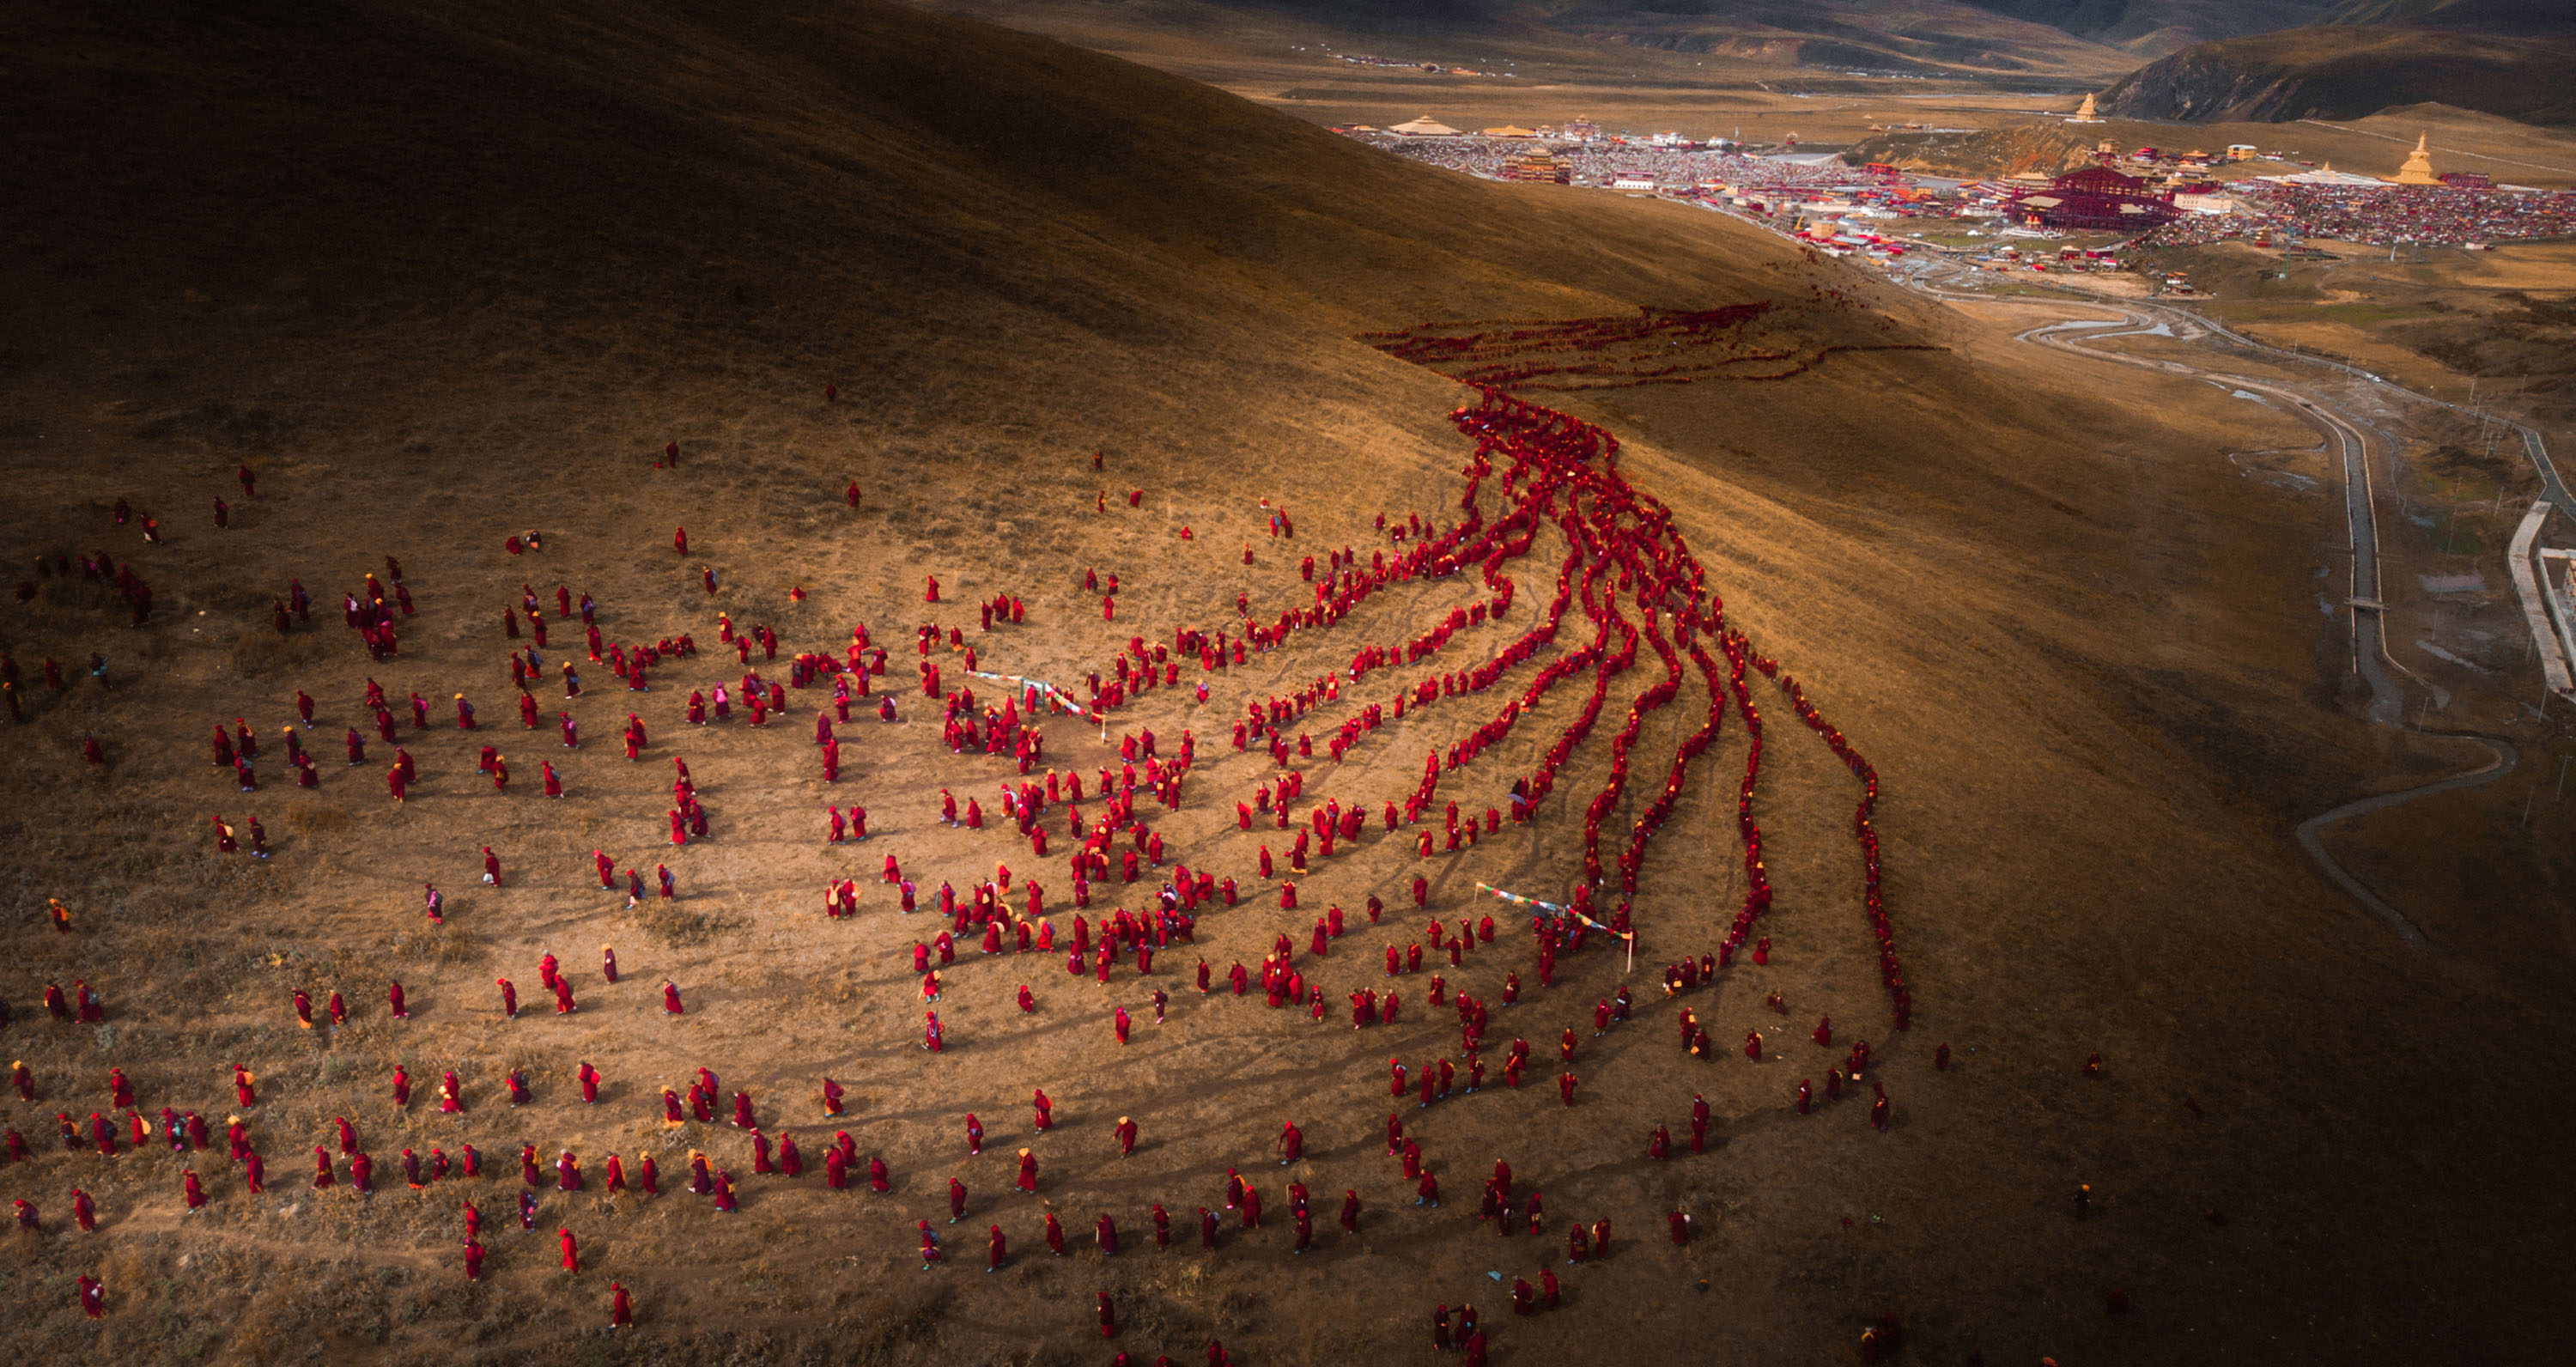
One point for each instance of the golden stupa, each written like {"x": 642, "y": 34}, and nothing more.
{"x": 2418, "y": 169}
{"x": 2086, "y": 114}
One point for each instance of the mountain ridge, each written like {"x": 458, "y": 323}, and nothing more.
{"x": 2348, "y": 71}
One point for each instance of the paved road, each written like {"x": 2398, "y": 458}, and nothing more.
{"x": 2312, "y": 831}
{"x": 2551, "y": 487}
{"x": 2361, "y": 589}
{"x": 2362, "y": 614}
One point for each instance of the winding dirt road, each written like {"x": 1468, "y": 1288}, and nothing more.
{"x": 2363, "y": 603}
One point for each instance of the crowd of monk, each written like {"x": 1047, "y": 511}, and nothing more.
{"x": 1560, "y": 473}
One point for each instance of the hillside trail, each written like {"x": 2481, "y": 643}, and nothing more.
{"x": 2363, "y": 605}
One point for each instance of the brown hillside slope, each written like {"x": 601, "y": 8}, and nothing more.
{"x": 444, "y": 272}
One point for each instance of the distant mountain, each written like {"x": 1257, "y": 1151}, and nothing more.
{"x": 2345, "y": 70}
{"x": 2511, "y": 18}
{"x": 2154, "y": 28}
{"x": 1394, "y": 11}
{"x": 2157, "y": 28}
{"x": 2013, "y": 44}
{"x": 1941, "y": 38}
{"x": 1930, "y": 38}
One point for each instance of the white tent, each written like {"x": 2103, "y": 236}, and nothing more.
{"x": 2326, "y": 176}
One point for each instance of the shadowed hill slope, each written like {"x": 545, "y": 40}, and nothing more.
{"x": 377, "y": 145}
